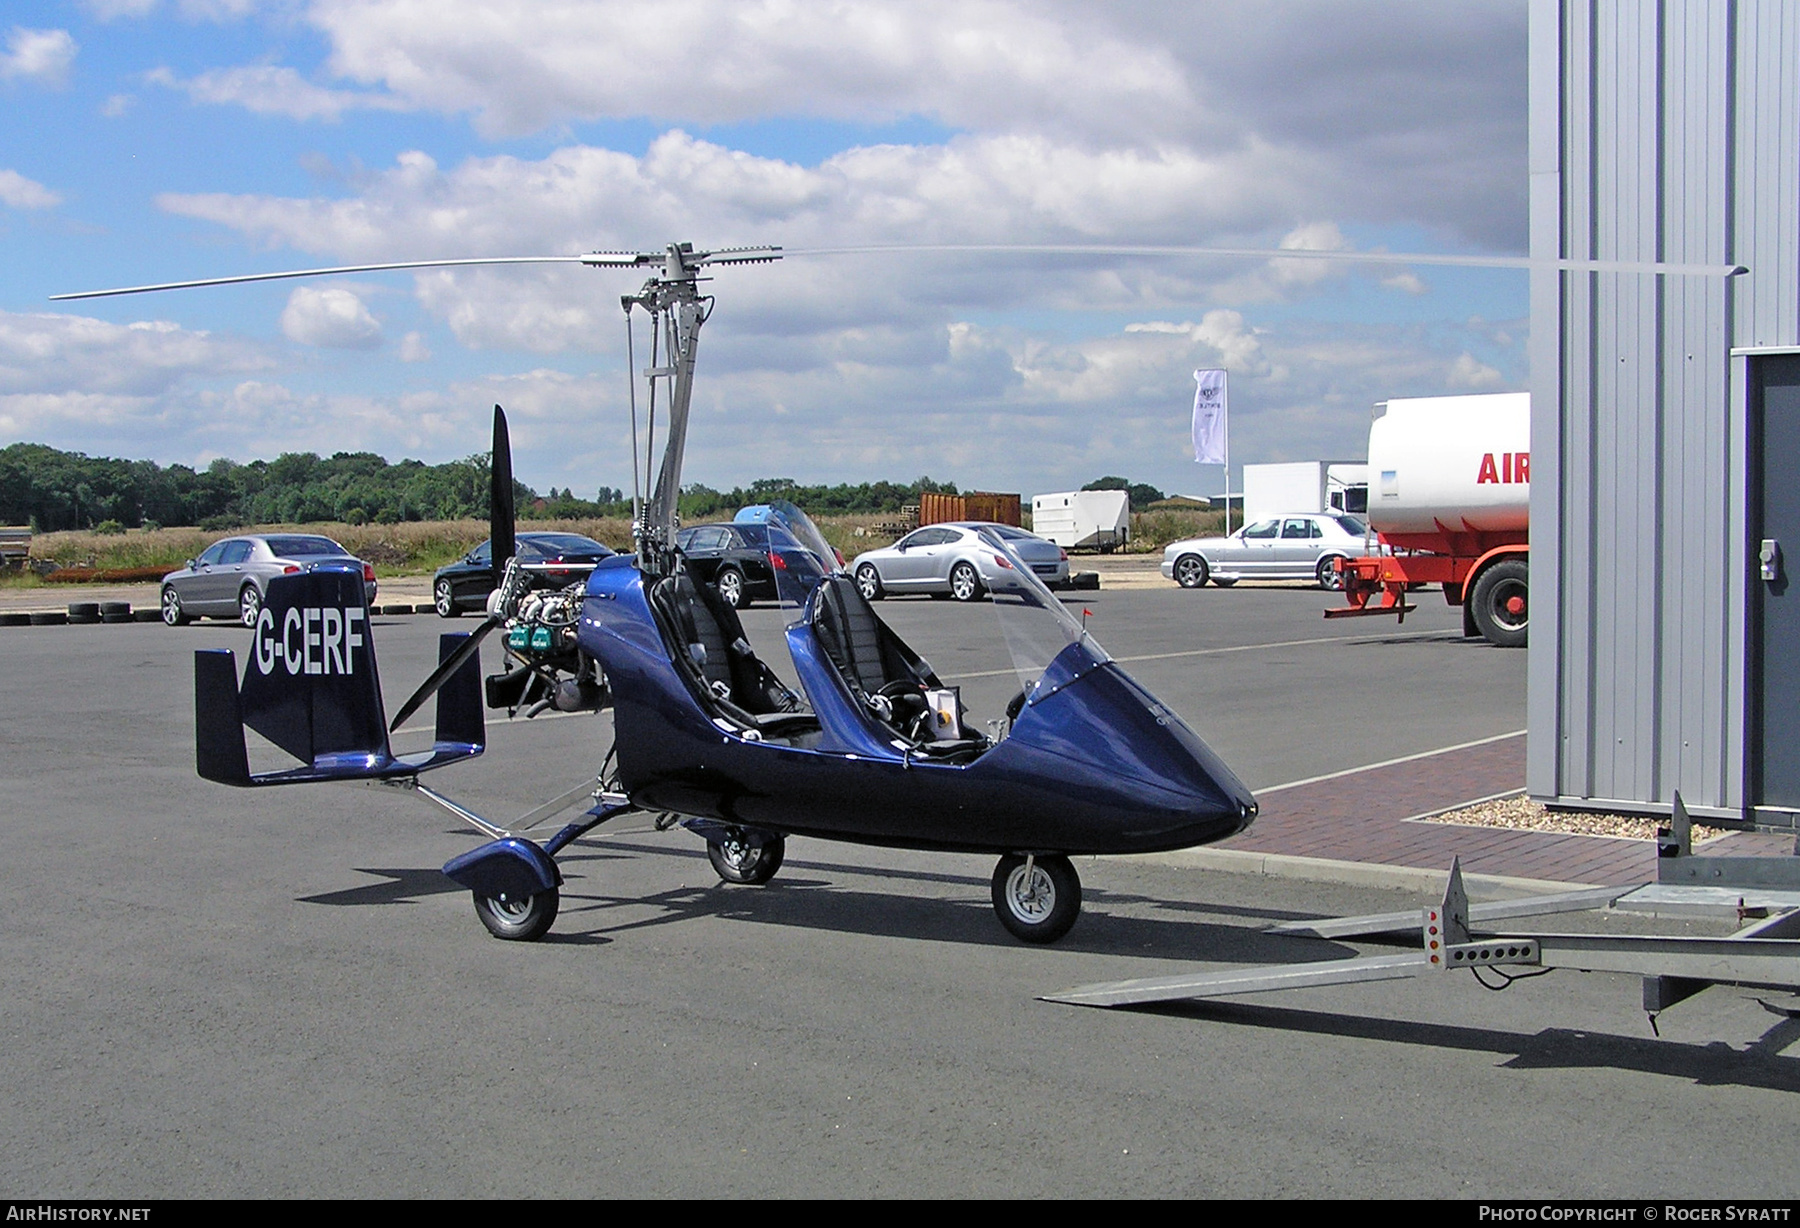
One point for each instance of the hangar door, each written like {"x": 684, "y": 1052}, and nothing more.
{"x": 1774, "y": 605}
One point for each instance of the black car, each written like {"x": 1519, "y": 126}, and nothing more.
{"x": 466, "y": 583}
{"x": 735, "y": 557}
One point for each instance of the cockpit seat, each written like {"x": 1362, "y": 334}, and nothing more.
{"x": 709, "y": 645}
{"x": 885, "y": 675}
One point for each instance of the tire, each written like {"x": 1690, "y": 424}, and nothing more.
{"x": 84, "y": 611}
{"x": 965, "y": 582}
{"x": 1501, "y": 603}
{"x": 868, "y": 583}
{"x": 1330, "y": 578}
{"x": 524, "y": 920}
{"x": 730, "y": 583}
{"x": 249, "y": 605}
{"x": 1222, "y": 582}
{"x": 1191, "y": 571}
{"x": 443, "y": 599}
{"x": 1042, "y": 909}
{"x": 739, "y": 861}
{"x": 172, "y": 614}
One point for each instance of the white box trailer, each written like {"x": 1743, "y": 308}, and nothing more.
{"x": 1083, "y": 519}
{"x": 1304, "y": 486}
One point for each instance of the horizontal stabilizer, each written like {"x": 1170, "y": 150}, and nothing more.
{"x": 310, "y": 686}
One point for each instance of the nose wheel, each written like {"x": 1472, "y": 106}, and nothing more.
{"x": 1036, "y": 898}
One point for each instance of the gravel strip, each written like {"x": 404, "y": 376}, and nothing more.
{"x": 1524, "y": 814}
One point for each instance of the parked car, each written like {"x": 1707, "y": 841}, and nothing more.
{"x": 734, "y": 556}
{"x": 230, "y": 578}
{"x": 1300, "y": 547}
{"x": 953, "y": 560}
{"x": 466, "y": 583}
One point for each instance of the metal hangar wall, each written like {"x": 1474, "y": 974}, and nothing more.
{"x": 1660, "y": 132}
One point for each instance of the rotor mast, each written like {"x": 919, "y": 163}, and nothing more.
{"x": 677, "y": 309}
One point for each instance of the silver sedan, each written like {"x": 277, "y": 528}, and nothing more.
{"x": 952, "y": 560}
{"x": 1299, "y": 547}
{"x": 230, "y": 578}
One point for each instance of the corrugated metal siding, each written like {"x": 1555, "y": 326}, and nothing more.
{"x": 1679, "y": 141}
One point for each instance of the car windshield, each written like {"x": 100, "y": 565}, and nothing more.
{"x": 1353, "y": 525}
{"x": 303, "y": 547}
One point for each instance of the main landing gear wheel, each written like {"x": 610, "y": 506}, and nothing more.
{"x": 739, "y": 861}
{"x": 249, "y": 605}
{"x": 443, "y": 599}
{"x": 518, "y": 920}
{"x": 1037, "y": 901}
{"x": 1191, "y": 571}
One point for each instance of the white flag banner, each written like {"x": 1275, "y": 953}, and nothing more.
{"x": 1210, "y": 447}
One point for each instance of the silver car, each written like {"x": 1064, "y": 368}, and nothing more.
{"x": 231, "y": 577}
{"x": 1299, "y": 547}
{"x": 952, "y": 560}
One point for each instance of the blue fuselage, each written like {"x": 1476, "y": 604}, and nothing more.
{"x": 1093, "y": 762}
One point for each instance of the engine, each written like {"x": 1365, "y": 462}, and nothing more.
{"x": 545, "y": 668}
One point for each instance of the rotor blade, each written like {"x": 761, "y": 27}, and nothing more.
{"x": 604, "y": 259}
{"x": 442, "y": 673}
{"x": 500, "y": 498}
{"x": 1290, "y": 253}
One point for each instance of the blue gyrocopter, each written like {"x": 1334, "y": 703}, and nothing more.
{"x": 872, "y": 746}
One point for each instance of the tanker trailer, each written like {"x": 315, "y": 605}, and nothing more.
{"x": 1449, "y": 489}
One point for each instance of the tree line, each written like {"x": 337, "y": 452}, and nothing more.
{"x": 53, "y": 490}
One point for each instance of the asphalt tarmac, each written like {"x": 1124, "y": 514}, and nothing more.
{"x": 210, "y": 992}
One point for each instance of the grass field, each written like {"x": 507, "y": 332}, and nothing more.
{"x": 424, "y": 546}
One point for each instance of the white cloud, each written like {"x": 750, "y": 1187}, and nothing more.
{"x": 117, "y": 105}
{"x": 43, "y": 56}
{"x": 522, "y": 66}
{"x": 53, "y": 353}
{"x": 22, "y": 193}
{"x": 414, "y": 349}
{"x": 1469, "y": 372}
{"x": 1406, "y": 283}
{"x": 330, "y": 316}
{"x": 268, "y": 89}
{"x": 111, "y": 10}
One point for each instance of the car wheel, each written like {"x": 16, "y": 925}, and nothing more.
{"x": 965, "y": 585}
{"x": 1191, "y": 571}
{"x": 868, "y": 583}
{"x": 1330, "y": 577}
{"x": 171, "y": 607}
{"x": 1039, "y": 904}
{"x": 523, "y": 920}
{"x": 1501, "y": 603}
{"x": 443, "y": 598}
{"x": 249, "y": 605}
{"x": 730, "y": 583}
{"x": 738, "y": 861}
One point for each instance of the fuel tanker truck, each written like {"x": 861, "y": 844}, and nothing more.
{"x": 1449, "y": 489}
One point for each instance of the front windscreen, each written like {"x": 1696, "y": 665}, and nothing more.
{"x": 1035, "y": 622}
{"x": 798, "y": 553}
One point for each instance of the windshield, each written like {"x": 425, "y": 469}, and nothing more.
{"x": 799, "y": 555}
{"x": 1038, "y": 627}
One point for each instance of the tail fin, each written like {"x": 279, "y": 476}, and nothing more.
{"x": 311, "y": 687}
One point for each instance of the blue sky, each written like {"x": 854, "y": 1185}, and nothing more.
{"x": 152, "y": 140}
